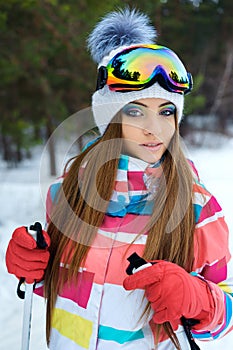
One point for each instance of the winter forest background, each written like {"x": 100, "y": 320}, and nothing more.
{"x": 47, "y": 76}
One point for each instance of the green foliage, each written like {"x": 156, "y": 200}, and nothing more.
{"x": 195, "y": 101}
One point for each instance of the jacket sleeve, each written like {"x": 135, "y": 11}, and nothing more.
{"x": 212, "y": 260}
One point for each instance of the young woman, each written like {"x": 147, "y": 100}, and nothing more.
{"x": 131, "y": 190}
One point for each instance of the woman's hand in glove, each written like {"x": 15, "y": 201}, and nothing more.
{"x": 173, "y": 293}
{"x": 24, "y": 259}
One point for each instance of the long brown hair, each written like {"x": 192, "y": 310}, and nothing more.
{"x": 83, "y": 200}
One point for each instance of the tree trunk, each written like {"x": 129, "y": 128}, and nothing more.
{"x": 19, "y": 156}
{"x": 6, "y": 148}
{"x": 51, "y": 147}
{"x": 224, "y": 81}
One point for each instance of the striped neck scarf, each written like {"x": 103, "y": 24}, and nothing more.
{"x": 133, "y": 189}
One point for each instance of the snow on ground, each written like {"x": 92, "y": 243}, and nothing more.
{"x": 22, "y": 203}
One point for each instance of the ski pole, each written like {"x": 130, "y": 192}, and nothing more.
{"x": 136, "y": 263}
{"x": 36, "y": 232}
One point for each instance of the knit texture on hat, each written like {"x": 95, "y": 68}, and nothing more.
{"x": 106, "y": 103}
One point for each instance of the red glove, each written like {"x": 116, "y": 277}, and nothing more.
{"x": 174, "y": 293}
{"x": 24, "y": 259}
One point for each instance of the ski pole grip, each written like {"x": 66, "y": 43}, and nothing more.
{"x": 37, "y": 229}
{"x": 136, "y": 263}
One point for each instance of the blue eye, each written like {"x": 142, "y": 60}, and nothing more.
{"x": 168, "y": 110}
{"x": 132, "y": 111}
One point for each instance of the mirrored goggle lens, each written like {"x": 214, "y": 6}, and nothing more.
{"x": 139, "y": 67}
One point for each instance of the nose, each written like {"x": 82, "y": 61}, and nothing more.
{"x": 152, "y": 126}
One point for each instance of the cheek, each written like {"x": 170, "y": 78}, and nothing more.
{"x": 129, "y": 132}
{"x": 170, "y": 133}
{"x": 169, "y": 129}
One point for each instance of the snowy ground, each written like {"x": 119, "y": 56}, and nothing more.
{"x": 22, "y": 202}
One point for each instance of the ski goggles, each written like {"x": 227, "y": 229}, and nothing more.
{"x": 140, "y": 66}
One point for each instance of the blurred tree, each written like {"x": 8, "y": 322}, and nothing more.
{"x": 46, "y": 73}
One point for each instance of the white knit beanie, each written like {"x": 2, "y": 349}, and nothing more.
{"x": 115, "y": 32}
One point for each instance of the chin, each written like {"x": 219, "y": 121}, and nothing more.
{"x": 149, "y": 158}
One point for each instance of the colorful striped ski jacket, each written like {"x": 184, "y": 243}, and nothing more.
{"x": 96, "y": 312}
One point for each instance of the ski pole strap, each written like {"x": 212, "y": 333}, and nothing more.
{"x": 20, "y": 292}
{"x": 187, "y": 324}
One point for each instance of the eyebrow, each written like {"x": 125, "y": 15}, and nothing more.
{"x": 162, "y": 104}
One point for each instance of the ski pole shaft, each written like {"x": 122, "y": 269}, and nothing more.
{"x": 36, "y": 232}
{"x": 27, "y": 315}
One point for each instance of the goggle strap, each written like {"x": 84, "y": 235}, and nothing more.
{"x": 190, "y": 83}
{"x": 102, "y": 77}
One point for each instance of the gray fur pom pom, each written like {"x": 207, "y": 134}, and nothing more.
{"x": 118, "y": 28}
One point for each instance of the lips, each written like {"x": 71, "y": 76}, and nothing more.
{"x": 152, "y": 146}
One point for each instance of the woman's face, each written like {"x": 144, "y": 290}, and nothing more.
{"x": 148, "y": 126}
